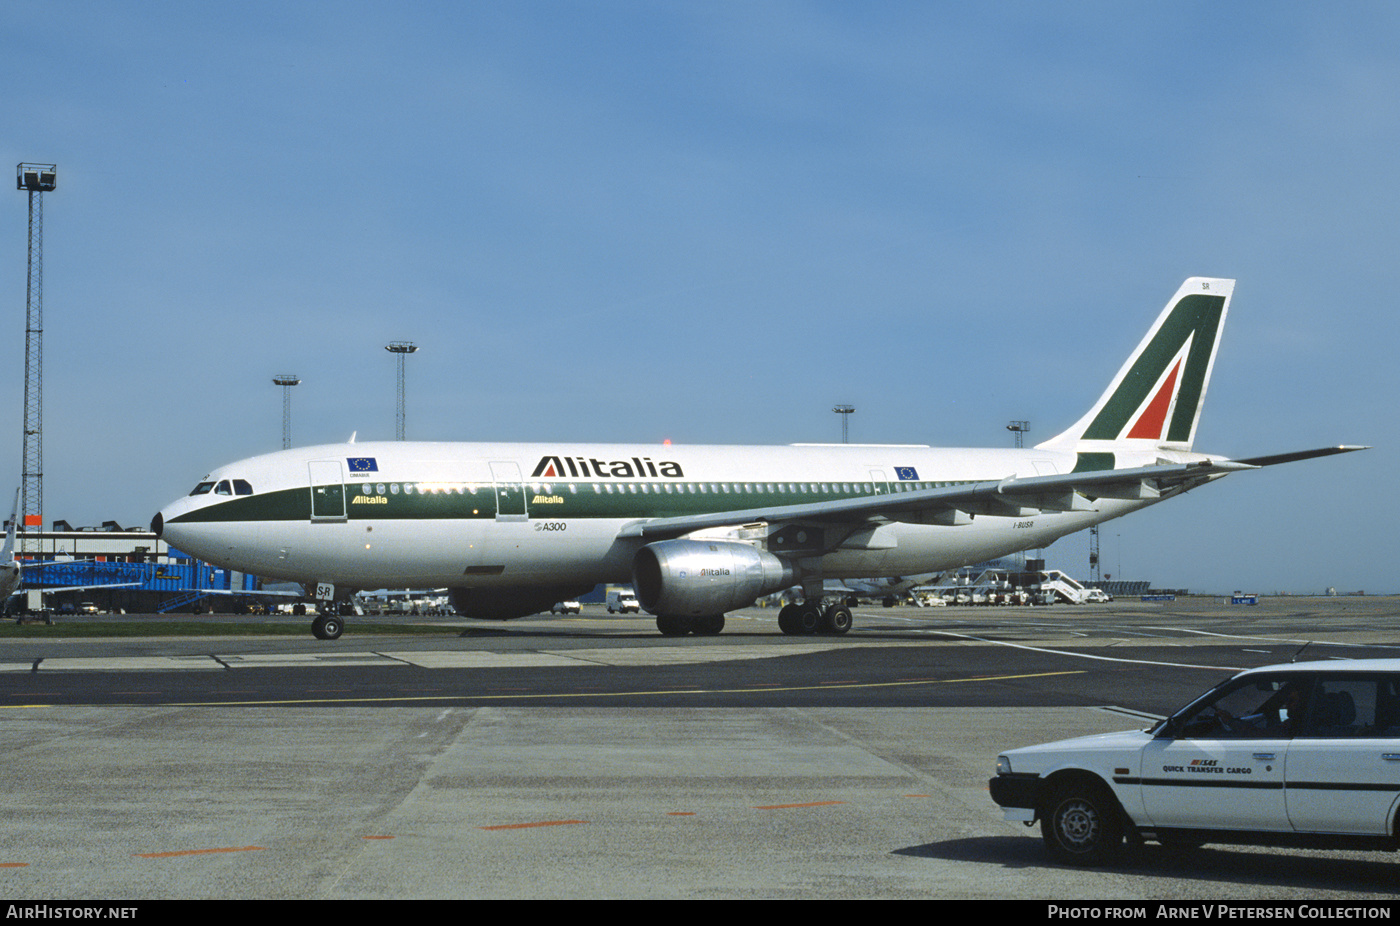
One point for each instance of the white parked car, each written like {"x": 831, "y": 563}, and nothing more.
{"x": 566, "y": 607}
{"x": 1304, "y": 755}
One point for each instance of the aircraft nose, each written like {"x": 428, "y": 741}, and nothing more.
{"x": 157, "y": 524}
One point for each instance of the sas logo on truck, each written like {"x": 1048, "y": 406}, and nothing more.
{"x": 1207, "y": 766}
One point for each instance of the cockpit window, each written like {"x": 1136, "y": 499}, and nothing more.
{"x": 203, "y": 488}
{"x": 223, "y": 488}
{"x": 241, "y": 487}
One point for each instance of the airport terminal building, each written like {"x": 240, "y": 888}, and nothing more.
{"x": 116, "y": 569}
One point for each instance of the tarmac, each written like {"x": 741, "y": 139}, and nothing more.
{"x": 644, "y": 798}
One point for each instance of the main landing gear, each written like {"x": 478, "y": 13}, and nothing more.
{"x": 811, "y": 618}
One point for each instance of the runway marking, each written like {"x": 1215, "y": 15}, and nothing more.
{"x": 199, "y": 852}
{"x": 526, "y": 826}
{"x": 427, "y": 659}
{"x": 1059, "y": 652}
{"x": 629, "y": 694}
{"x": 14, "y": 864}
{"x": 195, "y": 663}
{"x": 1291, "y": 642}
{"x": 791, "y": 806}
{"x": 1234, "y": 636}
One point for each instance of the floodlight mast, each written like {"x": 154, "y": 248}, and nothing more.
{"x": 845, "y": 411}
{"x": 402, "y": 349}
{"x": 286, "y": 381}
{"x": 36, "y": 180}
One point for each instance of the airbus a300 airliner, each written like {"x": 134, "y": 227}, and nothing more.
{"x": 703, "y": 530}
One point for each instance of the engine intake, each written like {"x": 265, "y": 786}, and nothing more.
{"x": 689, "y": 578}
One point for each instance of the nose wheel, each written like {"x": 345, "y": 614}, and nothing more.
{"x": 327, "y": 627}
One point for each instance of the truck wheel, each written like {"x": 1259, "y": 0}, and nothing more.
{"x": 1082, "y": 825}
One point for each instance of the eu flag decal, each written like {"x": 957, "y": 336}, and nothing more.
{"x": 904, "y": 473}
{"x": 362, "y": 464}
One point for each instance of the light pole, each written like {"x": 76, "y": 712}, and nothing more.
{"x": 1020, "y": 427}
{"x": 286, "y": 381}
{"x": 845, "y": 411}
{"x": 402, "y": 349}
{"x": 36, "y": 180}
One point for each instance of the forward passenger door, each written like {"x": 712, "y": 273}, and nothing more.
{"x": 327, "y": 490}
{"x": 510, "y": 491}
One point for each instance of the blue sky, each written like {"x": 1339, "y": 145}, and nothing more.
{"x": 710, "y": 222}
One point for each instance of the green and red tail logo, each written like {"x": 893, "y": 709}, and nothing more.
{"x": 1156, "y": 397}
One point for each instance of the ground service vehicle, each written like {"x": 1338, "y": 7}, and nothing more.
{"x": 623, "y": 602}
{"x": 1306, "y": 755}
{"x": 566, "y": 607}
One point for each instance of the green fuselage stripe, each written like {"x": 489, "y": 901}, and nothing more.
{"x": 544, "y": 501}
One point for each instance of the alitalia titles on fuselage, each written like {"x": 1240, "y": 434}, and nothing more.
{"x": 552, "y": 467}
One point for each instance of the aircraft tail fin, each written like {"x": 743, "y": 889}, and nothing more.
{"x": 1154, "y": 403}
{"x": 7, "y": 552}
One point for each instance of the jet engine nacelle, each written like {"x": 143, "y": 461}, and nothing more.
{"x": 688, "y": 578}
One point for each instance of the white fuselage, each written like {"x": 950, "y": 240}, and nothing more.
{"x": 399, "y": 514}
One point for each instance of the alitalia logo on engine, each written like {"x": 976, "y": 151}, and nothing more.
{"x": 559, "y": 467}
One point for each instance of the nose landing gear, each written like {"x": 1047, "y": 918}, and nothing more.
{"x": 327, "y": 627}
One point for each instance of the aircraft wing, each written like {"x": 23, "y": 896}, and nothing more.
{"x": 237, "y": 592}
{"x": 954, "y": 504}
{"x": 47, "y": 590}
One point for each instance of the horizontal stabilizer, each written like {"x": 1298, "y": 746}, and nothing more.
{"x": 1301, "y": 455}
